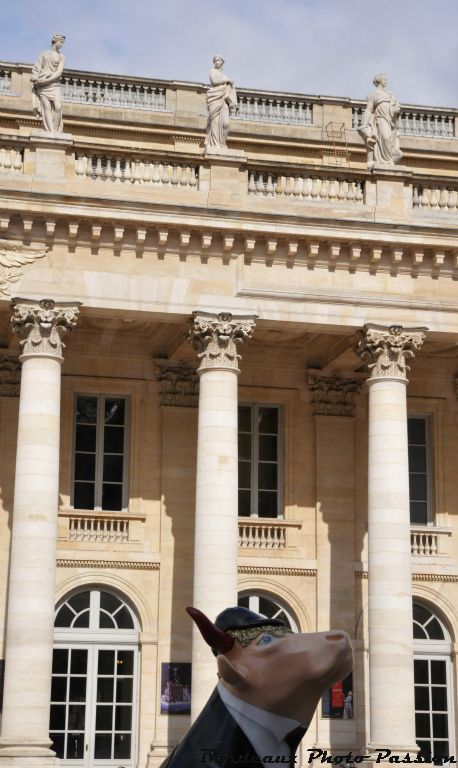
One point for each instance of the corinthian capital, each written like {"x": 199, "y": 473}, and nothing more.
{"x": 386, "y": 349}
{"x": 42, "y": 325}
{"x": 215, "y": 338}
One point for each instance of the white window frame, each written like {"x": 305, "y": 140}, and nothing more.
{"x": 255, "y": 458}
{"x": 94, "y": 639}
{"x": 101, "y": 398}
{"x": 429, "y": 466}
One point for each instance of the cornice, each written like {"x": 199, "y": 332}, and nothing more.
{"x": 130, "y": 565}
{"x": 278, "y": 571}
{"x": 440, "y": 577}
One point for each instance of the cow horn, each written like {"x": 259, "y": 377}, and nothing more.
{"x": 216, "y": 638}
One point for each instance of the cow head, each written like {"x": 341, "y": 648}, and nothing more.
{"x": 263, "y": 663}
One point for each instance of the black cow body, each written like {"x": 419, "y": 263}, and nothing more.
{"x": 214, "y": 741}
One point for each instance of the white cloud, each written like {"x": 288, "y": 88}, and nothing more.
{"x": 309, "y": 46}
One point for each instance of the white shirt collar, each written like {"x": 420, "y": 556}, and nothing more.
{"x": 265, "y": 730}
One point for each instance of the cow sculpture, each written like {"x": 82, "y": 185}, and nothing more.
{"x": 270, "y": 682}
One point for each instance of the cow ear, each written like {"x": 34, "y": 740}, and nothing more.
{"x": 228, "y": 672}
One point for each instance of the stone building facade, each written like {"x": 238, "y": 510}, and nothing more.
{"x": 302, "y": 286}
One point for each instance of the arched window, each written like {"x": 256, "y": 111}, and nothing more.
{"x": 267, "y": 606}
{"x": 95, "y": 679}
{"x": 432, "y": 673}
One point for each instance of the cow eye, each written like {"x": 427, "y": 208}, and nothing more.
{"x": 265, "y": 640}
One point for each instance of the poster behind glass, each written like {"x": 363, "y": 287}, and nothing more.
{"x": 337, "y": 701}
{"x": 175, "y": 688}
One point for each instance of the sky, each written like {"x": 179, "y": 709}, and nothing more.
{"x": 317, "y": 47}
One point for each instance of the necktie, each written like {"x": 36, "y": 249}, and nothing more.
{"x": 293, "y": 739}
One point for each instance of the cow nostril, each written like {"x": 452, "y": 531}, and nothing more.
{"x": 335, "y": 636}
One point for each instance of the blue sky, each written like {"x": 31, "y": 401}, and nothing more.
{"x": 307, "y": 46}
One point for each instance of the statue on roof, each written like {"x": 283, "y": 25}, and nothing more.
{"x": 221, "y": 101}
{"x": 379, "y": 126}
{"x": 46, "y": 88}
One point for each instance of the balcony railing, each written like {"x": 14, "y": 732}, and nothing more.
{"x": 11, "y": 160}
{"x": 127, "y": 170}
{"x": 5, "y": 82}
{"x": 98, "y": 529}
{"x": 258, "y": 533}
{"x": 417, "y": 123}
{"x": 273, "y": 108}
{"x": 437, "y": 197}
{"x": 113, "y": 93}
{"x": 429, "y": 541}
{"x": 306, "y": 187}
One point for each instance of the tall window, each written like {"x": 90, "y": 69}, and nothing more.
{"x": 433, "y": 722}
{"x": 268, "y": 607}
{"x": 259, "y": 459}
{"x": 419, "y": 470}
{"x": 100, "y": 453}
{"x": 95, "y": 681}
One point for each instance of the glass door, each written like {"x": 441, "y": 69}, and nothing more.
{"x": 93, "y": 706}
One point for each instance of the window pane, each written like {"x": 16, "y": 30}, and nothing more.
{"x": 77, "y": 689}
{"x": 267, "y": 477}
{"x": 58, "y": 741}
{"x": 125, "y": 663}
{"x": 267, "y": 504}
{"x": 418, "y": 632}
{"x": 84, "y": 466}
{"x": 64, "y": 617}
{"x": 417, "y": 486}
{"x": 59, "y": 689}
{"x": 417, "y": 458}
{"x": 425, "y": 750}
{"x": 104, "y": 718}
{"x": 244, "y": 418}
{"x": 422, "y": 726}
{"x": 244, "y": 474}
{"x": 114, "y": 411}
{"x": 244, "y": 503}
{"x": 244, "y": 446}
{"x": 60, "y": 661}
{"x": 418, "y": 512}
{"x": 84, "y": 496}
{"x": 421, "y": 698}
{"x": 57, "y": 718}
{"x": 76, "y": 716}
{"x": 75, "y": 746}
{"x": 106, "y": 621}
{"x": 268, "y": 420}
{"x": 441, "y": 749}
{"x": 123, "y": 619}
{"x": 122, "y": 745}
{"x": 102, "y": 749}
{"x": 123, "y": 720}
{"x": 440, "y": 726}
{"x": 109, "y": 602}
{"x": 80, "y": 601}
{"x": 439, "y": 699}
{"x": 78, "y": 663}
{"x": 112, "y": 469}
{"x": 434, "y": 630}
{"x": 105, "y": 689}
{"x": 124, "y": 690}
{"x": 112, "y": 497}
{"x": 82, "y": 622}
{"x": 86, "y": 410}
{"x": 421, "y": 614}
{"x": 416, "y": 430}
{"x": 106, "y": 663}
{"x": 420, "y": 671}
{"x": 85, "y": 438}
{"x": 438, "y": 674}
{"x": 268, "y": 447}
{"x": 113, "y": 440}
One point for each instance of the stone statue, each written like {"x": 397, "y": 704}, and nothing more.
{"x": 221, "y": 100}
{"x": 379, "y": 126}
{"x": 46, "y": 90}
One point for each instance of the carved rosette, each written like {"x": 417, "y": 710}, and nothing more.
{"x": 215, "y": 338}
{"x": 10, "y": 376}
{"x": 386, "y": 349}
{"x": 335, "y": 394}
{"x": 41, "y": 325}
{"x": 179, "y": 383}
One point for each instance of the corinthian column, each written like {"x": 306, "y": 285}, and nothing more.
{"x": 215, "y": 337}
{"x": 31, "y": 588}
{"x": 391, "y": 682}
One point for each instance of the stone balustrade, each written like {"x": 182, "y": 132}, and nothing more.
{"x": 273, "y": 108}
{"x": 333, "y": 190}
{"x": 113, "y": 93}
{"x": 102, "y": 529}
{"x": 258, "y": 533}
{"x": 417, "y": 123}
{"x": 5, "y": 82}
{"x": 11, "y": 160}
{"x": 435, "y": 197}
{"x": 137, "y": 171}
{"x": 428, "y": 541}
